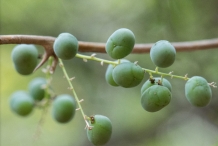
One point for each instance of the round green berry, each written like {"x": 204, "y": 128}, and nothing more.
{"x": 24, "y": 58}
{"x": 163, "y": 54}
{"x": 156, "y": 81}
{"x": 197, "y": 91}
{"x": 100, "y": 130}
{"x": 120, "y": 43}
{"x": 21, "y": 103}
{"x": 109, "y": 71}
{"x": 63, "y": 108}
{"x": 66, "y": 46}
{"x": 128, "y": 74}
{"x": 36, "y": 88}
{"x": 109, "y": 77}
{"x": 155, "y": 98}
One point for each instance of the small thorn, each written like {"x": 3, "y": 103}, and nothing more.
{"x": 119, "y": 61}
{"x": 44, "y": 59}
{"x": 81, "y": 100}
{"x": 156, "y": 69}
{"x": 102, "y": 63}
{"x": 70, "y": 88}
{"x": 171, "y": 72}
{"x": 171, "y": 76}
{"x": 72, "y": 78}
{"x": 212, "y": 84}
{"x": 88, "y": 126}
{"x": 186, "y": 77}
{"x": 136, "y": 62}
{"x": 77, "y": 109}
{"x": 93, "y": 55}
{"x": 85, "y": 60}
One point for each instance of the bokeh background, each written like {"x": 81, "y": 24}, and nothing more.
{"x": 178, "y": 124}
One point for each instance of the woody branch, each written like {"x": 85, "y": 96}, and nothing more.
{"x": 47, "y": 42}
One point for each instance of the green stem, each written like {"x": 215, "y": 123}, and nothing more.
{"x": 165, "y": 74}
{"x": 47, "y": 86}
{"x": 48, "y": 78}
{"x": 92, "y": 57}
{"x": 47, "y": 98}
{"x": 73, "y": 91}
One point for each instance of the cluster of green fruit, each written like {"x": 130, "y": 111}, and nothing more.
{"x": 22, "y": 102}
{"x": 155, "y": 92}
{"x": 25, "y": 58}
{"x": 99, "y": 127}
{"x": 127, "y": 74}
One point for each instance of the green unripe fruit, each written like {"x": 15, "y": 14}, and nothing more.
{"x": 36, "y": 88}
{"x": 163, "y": 54}
{"x": 21, "y": 103}
{"x": 109, "y": 71}
{"x": 120, "y": 43}
{"x": 155, "y": 98}
{"x": 156, "y": 81}
{"x": 63, "y": 108}
{"x": 24, "y": 58}
{"x": 128, "y": 74}
{"x": 197, "y": 91}
{"x": 100, "y": 131}
{"x": 66, "y": 46}
{"x": 109, "y": 77}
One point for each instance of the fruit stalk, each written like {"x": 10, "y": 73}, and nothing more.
{"x": 73, "y": 91}
{"x": 48, "y": 78}
{"x": 164, "y": 74}
{"x": 92, "y": 57}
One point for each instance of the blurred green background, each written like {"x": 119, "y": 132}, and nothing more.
{"x": 178, "y": 124}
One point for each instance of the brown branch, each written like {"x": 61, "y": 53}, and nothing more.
{"x": 100, "y": 47}
{"x": 47, "y": 43}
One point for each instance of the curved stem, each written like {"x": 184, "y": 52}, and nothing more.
{"x": 100, "y": 47}
{"x": 73, "y": 91}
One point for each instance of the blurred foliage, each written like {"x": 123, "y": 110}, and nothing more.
{"x": 178, "y": 124}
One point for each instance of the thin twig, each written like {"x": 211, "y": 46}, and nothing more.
{"x": 100, "y": 47}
